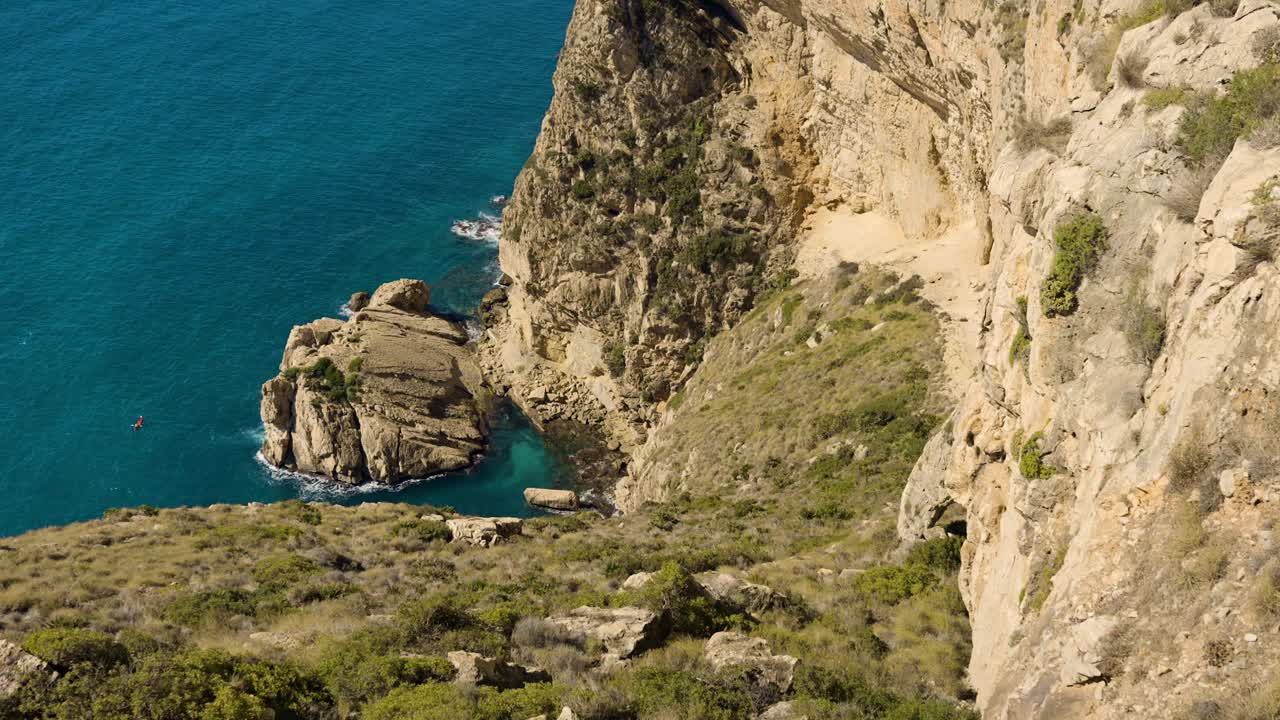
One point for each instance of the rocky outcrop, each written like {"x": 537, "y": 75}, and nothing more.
{"x": 475, "y": 669}
{"x": 18, "y": 667}
{"x": 735, "y": 650}
{"x": 738, "y": 593}
{"x": 554, "y": 499}
{"x": 392, "y": 393}
{"x": 482, "y": 531}
{"x": 623, "y": 632}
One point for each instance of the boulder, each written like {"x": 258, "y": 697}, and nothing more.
{"x": 781, "y": 711}
{"x": 484, "y": 532}
{"x": 623, "y": 631}
{"x": 1231, "y": 480}
{"x": 736, "y": 592}
{"x": 390, "y": 394}
{"x": 554, "y": 499}
{"x": 567, "y": 714}
{"x": 734, "y": 649}
{"x": 475, "y": 669}
{"x": 636, "y": 581}
{"x": 17, "y": 667}
{"x": 358, "y": 301}
{"x": 408, "y": 295}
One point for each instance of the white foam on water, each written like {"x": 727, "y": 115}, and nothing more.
{"x": 344, "y": 310}
{"x": 319, "y": 487}
{"x": 483, "y": 228}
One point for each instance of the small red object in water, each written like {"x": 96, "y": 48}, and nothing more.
{"x": 138, "y": 425}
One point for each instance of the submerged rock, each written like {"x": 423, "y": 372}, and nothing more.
{"x": 390, "y": 394}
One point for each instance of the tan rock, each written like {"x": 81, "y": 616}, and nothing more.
{"x": 411, "y": 296}
{"x": 554, "y": 499}
{"x": 734, "y": 649}
{"x": 623, "y": 631}
{"x": 736, "y": 592}
{"x": 483, "y": 532}
{"x": 18, "y": 667}
{"x": 414, "y": 407}
{"x": 475, "y": 669}
{"x": 358, "y": 301}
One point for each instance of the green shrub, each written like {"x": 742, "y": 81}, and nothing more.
{"x": 1020, "y": 348}
{"x": 209, "y": 607}
{"x": 1080, "y": 242}
{"x": 615, "y": 358}
{"x": 424, "y": 530}
{"x": 668, "y": 692}
{"x": 1211, "y": 129}
{"x": 366, "y": 666}
{"x": 284, "y": 569}
{"x": 66, "y": 647}
{"x": 1160, "y": 98}
{"x": 1031, "y": 461}
{"x": 715, "y": 248}
{"x": 435, "y": 701}
{"x": 891, "y": 584}
{"x": 582, "y": 189}
{"x": 356, "y": 364}
{"x": 674, "y": 591}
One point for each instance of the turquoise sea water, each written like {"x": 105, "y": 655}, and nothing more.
{"x": 181, "y": 182}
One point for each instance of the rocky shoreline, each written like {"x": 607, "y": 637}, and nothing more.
{"x": 395, "y": 393}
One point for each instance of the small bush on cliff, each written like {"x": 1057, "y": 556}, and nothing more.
{"x": 1029, "y": 134}
{"x": 1143, "y": 324}
{"x": 1080, "y": 242}
{"x": 615, "y": 357}
{"x": 1211, "y": 129}
{"x": 1031, "y": 460}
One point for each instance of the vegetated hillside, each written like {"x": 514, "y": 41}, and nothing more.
{"x": 319, "y": 611}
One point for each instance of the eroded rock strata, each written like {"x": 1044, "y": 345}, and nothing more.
{"x": 389, "y": 394}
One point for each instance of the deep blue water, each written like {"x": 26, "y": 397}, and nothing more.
{"x": 181, "y": 182}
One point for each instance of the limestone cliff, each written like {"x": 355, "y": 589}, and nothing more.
{"x": 1108, "y": 276}
{"x": 387, "y": 395}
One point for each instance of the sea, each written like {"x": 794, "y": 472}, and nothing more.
{"x": 182, "y": 182}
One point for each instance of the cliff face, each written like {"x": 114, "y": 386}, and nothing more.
{"x": 1111, "y": 365}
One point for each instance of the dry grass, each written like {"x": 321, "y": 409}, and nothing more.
{"x": 1189, "y": 187}
{"x": 1052, "y": 135}
{"x": 1130, "y": 68}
